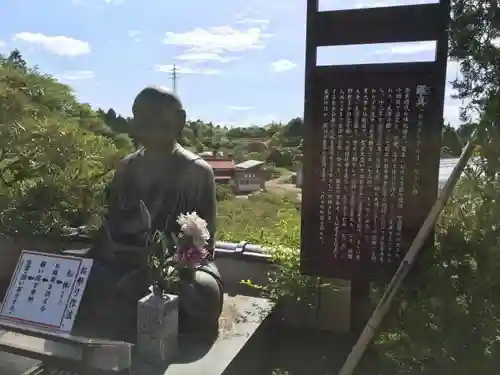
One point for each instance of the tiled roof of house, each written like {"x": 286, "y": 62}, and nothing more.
{"x": 221, "y": 164}
{"x": 249, "y": 164}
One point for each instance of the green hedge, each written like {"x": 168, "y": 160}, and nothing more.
{"x": 54, "y": 158}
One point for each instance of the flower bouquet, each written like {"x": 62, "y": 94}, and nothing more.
{"x": 170, "y": 257}
{"x": 177, "y": 254}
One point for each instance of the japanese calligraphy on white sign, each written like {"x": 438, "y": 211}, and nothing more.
{"x": 46, "y": 290}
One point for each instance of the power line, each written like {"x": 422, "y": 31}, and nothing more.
{"x": 174, "y": 76}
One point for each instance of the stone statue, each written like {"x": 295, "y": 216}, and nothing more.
{"x": 168, "y": 180}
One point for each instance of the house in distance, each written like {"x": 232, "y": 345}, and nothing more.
{"x": 245, "y": 177}
{"x": 224, "y": 169}
{"x": 250, "y": 176}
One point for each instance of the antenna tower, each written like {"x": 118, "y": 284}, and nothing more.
{"x": 174, "y": 76}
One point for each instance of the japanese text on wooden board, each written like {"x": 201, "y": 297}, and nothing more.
{"x": 370, "y": 169}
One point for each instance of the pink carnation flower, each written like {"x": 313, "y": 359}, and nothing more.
{"x": 190, "y": 257}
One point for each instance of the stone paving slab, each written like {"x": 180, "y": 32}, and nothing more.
{"x": 239, "y": 321}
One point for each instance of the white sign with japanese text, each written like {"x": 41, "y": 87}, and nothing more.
{"x": 45, "y": 290}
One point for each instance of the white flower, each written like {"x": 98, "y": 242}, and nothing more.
{"x": 194, "y": 227}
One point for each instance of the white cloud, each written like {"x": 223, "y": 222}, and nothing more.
{"x": 240, "y": 108}
{"x": 205, "y": 57}
{"x": 213, "y": 45}
{"x": 282, "y": 65}
{"x": 187, "y": 69}
{"x": 114, "y": 2}
{"x": 452, "y": 70}
{"x": 135, "y": 35}
{"x": 451, "y": 111}
{"x": 251, "y": 21}
{"x": 218, "y": 39}
{"x": 76, "y": 75}
{"x": 407, "y": 48}
{"x": 58, "y": 45}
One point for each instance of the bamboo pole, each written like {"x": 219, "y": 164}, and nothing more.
{"x": 385, "y": 302}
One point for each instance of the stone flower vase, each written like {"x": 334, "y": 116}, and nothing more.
{"x": 157, "y": 326}
{"x": 185, "y": 291}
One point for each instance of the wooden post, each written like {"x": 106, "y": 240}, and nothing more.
{"x": 359, "y": 305}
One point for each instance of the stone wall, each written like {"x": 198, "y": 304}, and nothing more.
{"x": 330, "y": 313}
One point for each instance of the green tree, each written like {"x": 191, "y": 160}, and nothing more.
{"x": 475, "y": 33}
{"x": 451, "y": 144}
{"x": 53, "y": 168}
{"x": 282, "y": 158}
{"x": 446, "y": 321}
{"x": 293, "y": 132}
{"x": 16, "y": 60}
{"x": 464, "y": 132}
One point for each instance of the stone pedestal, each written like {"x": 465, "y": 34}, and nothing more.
{"x": 157, "y": 327}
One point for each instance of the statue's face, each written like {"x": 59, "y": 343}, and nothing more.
{"x": 159, "y": 127}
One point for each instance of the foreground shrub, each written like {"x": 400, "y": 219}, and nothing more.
{"x": 53, "y": 167}
{"x": 450, "y": 323}
{"x": 273, "y": 221}
{"x": 223, "y": 192}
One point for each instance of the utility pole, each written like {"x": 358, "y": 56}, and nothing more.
{"x": 174, "y": 77}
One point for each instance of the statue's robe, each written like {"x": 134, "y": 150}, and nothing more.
{"x": 168, "y": 186}
{"x": 181, "y": 183}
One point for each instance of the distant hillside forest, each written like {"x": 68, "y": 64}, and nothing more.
{"x": 275, "y": 143}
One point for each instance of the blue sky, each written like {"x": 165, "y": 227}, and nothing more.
{"x": 240, "y": 61}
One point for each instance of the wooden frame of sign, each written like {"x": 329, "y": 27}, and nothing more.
{"x": 372, "y": 143}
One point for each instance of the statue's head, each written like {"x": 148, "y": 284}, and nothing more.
{"x": 158, "y": 117}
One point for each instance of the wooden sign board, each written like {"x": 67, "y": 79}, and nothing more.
{"x": 376, "y": 173}
{"x": 372, "y": 141}
{"x": 45, "y": 290}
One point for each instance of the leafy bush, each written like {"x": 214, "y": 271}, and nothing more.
{"x": 272, "y": 221}
{"x": 53, "y": 168}
{"x": 450, "y": 324}
{"x": 283, "y": 158}
{"x": 223, "y": 192}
